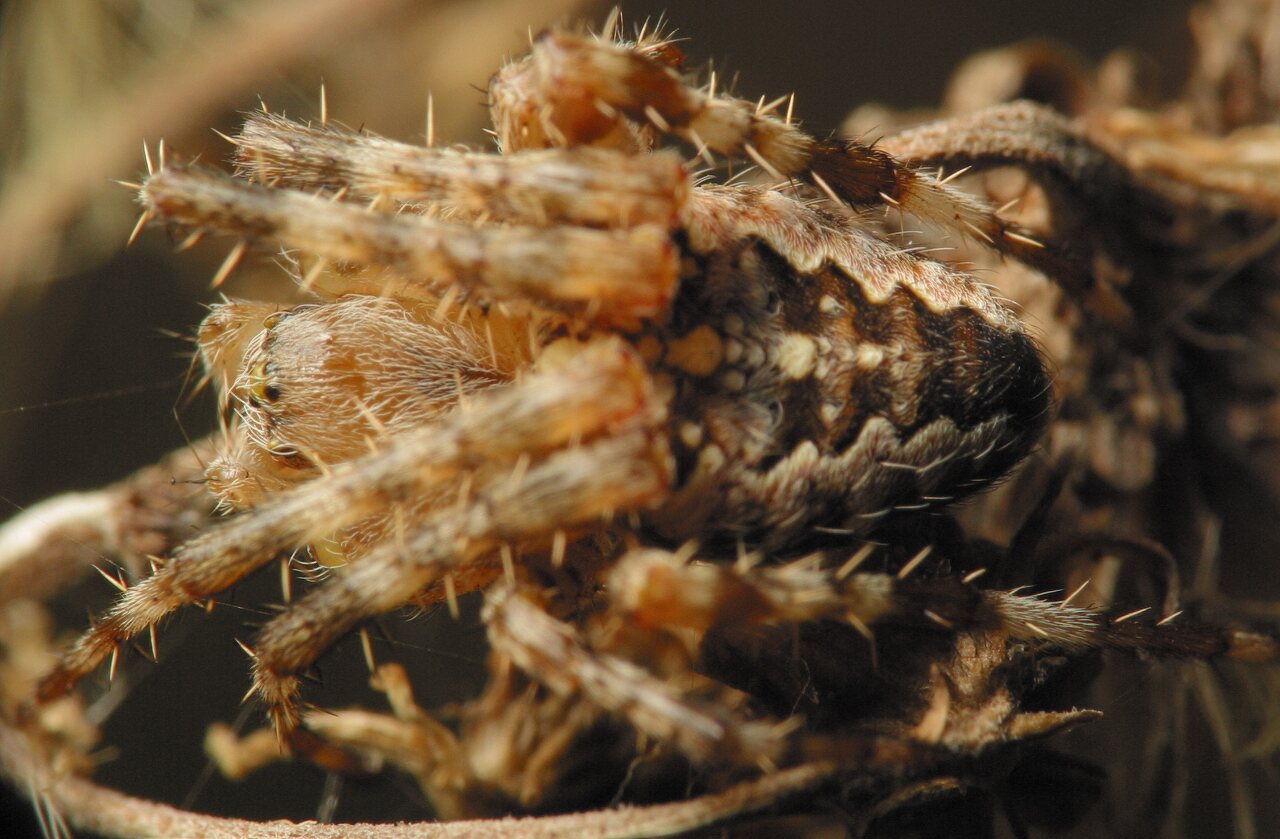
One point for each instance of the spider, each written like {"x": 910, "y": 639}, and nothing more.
{"x": 664, "y": 423}
{"x": 570, "y": 335}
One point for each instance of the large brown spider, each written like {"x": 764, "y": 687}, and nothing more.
{"x": 690, "y": 438}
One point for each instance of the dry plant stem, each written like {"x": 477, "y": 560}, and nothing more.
{"x": 49, "y": 544}
{"x": 75, "y": 521}
{"x": 87, "y": 806}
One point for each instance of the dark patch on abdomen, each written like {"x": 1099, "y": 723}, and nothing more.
{"x": 971, "y": 370}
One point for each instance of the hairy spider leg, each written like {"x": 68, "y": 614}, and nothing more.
{"x": 593, "y": 187}
{"x": 622, "y": 274}
{"x": 630, "y": 84}
{"x": 602, "y": 386}
{"x": 579, "y": 486}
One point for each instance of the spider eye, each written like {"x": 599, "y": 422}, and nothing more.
{"x": 260, "y": 390}
{"x": 775, "y": 413}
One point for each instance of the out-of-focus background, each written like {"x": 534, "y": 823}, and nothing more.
{"x": 92, "y": 353}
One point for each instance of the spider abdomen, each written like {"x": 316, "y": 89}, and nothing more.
{"x": 812, "y": 391}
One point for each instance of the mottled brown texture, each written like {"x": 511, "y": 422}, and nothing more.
{"x": 698, "y": 448}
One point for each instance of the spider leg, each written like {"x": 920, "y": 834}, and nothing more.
{"x": 1114, "y": 169}
{"x": 563, "y": 69}
{"x": 602, "y": 387}
{"x": 554, "y": 653}
{"x": 576, "y": 487}
{"x": 1080, "y": 175}
{"x": 408, "y": 737}
{"x": 624, "y": 274}
{"x": 591, "y": 187}
{"x": 1022, "y": 134}
{"x": 657, "y": 588}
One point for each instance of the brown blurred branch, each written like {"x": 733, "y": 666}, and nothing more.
{"x": 87, "y": 806}
{"x": 182, "y": 88}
